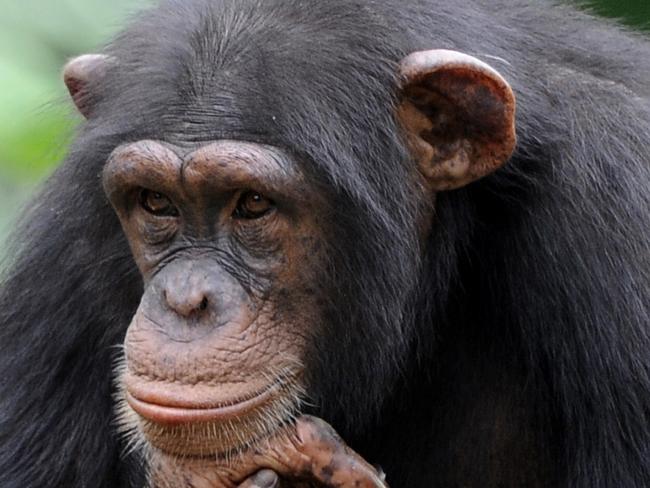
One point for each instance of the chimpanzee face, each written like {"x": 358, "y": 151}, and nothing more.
{"x": 226, "y": 240}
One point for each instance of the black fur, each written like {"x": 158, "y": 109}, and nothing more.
{"x": 513, "y": 351}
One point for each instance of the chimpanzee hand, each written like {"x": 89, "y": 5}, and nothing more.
{"x": 310, "y": 454}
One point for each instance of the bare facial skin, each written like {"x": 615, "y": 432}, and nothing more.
{"x": 221, "y": 237}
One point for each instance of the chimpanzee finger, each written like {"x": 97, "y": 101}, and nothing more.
{"x": 262, "y": 479}
{"x": 315, "y": 452}
{"x": 332, "y": 461}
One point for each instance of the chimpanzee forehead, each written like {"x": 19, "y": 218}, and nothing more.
{"x": 263, "y": 71}
{"x": 219, "y": 160}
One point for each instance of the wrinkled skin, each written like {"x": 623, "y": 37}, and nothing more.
{"x": 307, "y": 454}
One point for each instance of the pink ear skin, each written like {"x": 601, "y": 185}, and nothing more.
{"x": 459, "y": 117}
{"x": 79, "y": 76}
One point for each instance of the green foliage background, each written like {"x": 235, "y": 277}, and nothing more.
{"x": 38, "y": 36}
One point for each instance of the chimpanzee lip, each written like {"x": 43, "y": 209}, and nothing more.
{"x": 161, "y": 409}
{"x": 209, "y": 418}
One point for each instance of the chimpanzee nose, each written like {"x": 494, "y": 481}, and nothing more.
{"x": 199, "y": 290}
{"x": 187, "y": 302}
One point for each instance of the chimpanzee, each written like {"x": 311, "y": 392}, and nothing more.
{"x": 342, "y": 243}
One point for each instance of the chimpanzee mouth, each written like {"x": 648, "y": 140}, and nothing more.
{"x": 186, "y": 421}
{"x": 158, "y": 409}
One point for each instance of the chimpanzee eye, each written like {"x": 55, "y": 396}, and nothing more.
{"x": 157, "y": 204}
{"x": 252, "y": 205}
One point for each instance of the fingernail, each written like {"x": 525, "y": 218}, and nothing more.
{"x": 265, "y": 479}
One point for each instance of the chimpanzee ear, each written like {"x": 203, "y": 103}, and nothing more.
{"x": 459, "y": 114}
{"x": 80, "y": 75}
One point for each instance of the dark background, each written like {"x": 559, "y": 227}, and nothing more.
{"x": 38, "y": 36}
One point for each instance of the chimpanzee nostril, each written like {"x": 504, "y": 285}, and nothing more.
{"x": 186, "y": 301}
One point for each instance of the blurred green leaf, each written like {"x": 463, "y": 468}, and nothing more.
{"x": 632, "y": 12}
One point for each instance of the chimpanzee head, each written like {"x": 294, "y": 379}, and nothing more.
{"x": 278, "y": 268}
